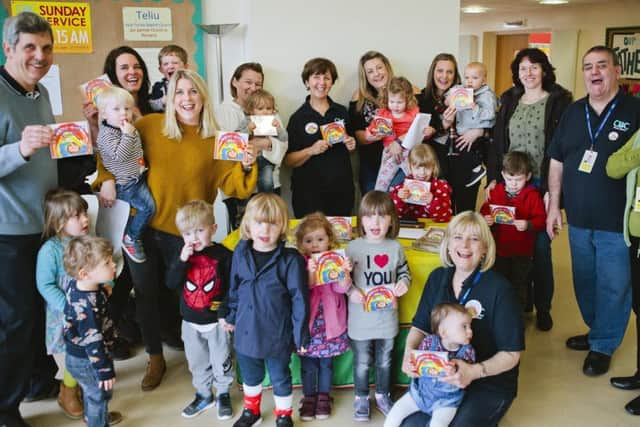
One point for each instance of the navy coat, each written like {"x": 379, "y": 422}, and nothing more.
{"x": 269, "y": 307}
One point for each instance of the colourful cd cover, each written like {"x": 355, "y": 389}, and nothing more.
{"x": 330, "y": 266}
{"x": 417, "y": 191}
{"x": 92, "y": 88}
{"x": 461, "y": 97}
{"x": 231, "y": 146}
{"x": 380, "y": 298}
{"x": 381, "y": 126}
{"x": 430, "y": 363}
{"x": 71, "y": 139}
{"x": 333, "y": 132}
{"x": 341, "y": 227}
{"x": 503, "y": 214}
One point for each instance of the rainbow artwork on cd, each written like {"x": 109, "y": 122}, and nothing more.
{"x": 503, "y": 214}
{"x": 341, "y": 227}
{"x": 417, "y": 191}
{"x": 380, "y": 298}
{"x": 70, "y": 139}
{"x": 381, "y": 126}
{"x": 231, "y": 146}
{"x": 92, "y": 88}
{"x": 330, "y": 267}
{"x": 430, "y": 363}
{"x": 333, "y": 132}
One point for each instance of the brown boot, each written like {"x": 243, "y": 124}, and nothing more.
{"x": 69, "y": 402}
{"x": 156, "y": 367}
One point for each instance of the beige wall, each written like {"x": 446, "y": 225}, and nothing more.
{"x": 577, "y": 29}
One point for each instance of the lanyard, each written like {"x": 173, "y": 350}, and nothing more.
{"x": 463, "y": 299}
{"x": 593, "y": 137}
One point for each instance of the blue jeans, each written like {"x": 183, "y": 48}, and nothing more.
{"x": 265, "y": 175}
{"x": 602, "y": 283}
{"x": 95, "y": 399}
{"x": 252, "y": 371}
{"x": 363, "y": 354}
{"x": 317, "y": 373}
{"x": 137, "y": 194}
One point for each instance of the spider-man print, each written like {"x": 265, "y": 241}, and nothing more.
{"x": 202, "y": 284}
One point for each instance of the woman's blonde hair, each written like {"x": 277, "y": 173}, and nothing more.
{"x": 378, "y": 203}
{"x": 312, "y": 222}
{"x": 366, "y": 92}
{"x": 475, "y": 223}
{"x": 265, "y": 207}
{"x": 401, "y": 86}
{"x": 208, "y": 125}
{"x": 423, "y": 155}
{"x": 59, "y": 206}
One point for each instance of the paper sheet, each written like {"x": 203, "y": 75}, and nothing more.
{"x": 410, "y": 233}
{"x": 414, "y": 136}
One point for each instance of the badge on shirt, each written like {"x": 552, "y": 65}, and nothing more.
{"x": 311, "y": 128}
{"x": 636, "y": 201}
{"x": 587, "y": 162}
{"x": 613, "y": 135}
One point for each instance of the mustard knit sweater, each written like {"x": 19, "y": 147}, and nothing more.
{"x": 180, "y": 171}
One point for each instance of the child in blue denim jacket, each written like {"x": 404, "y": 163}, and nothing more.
{"x": 268, "y": 307}
{"x": 428, "y": 394}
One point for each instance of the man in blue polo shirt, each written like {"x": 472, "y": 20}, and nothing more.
{"x": 590, "y": 131}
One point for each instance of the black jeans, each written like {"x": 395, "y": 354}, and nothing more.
{"x": 517, "y": 270}
{"x": 156, "y": 305}
{"x": 479, "y": 408}
{"x": 19, "y": 305}
{"x": 332, "y": 202}
{"x": 463, "y": 197}
{"x": 635, "y": 292}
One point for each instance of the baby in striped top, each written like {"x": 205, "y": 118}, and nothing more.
{"x": 120, "y": 149}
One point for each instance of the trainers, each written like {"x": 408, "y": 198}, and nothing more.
{"x": 225, "y": 411}
{"x": 284, "y": 421}
{"x": 544, "y": 322}
{"x": 476, "y": 175}
{"x": 248, "y": 419}
{"x": 307, "y": 408}
{"x": 199, "y": 405}
{"x": 133, "y": 249}
{"x": 384, "y": 403}
{"x": 361, "y": 409}
{"x": 113, "y": 418}
{"x": 323, "y": 406}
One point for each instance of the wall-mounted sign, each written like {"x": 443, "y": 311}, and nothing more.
{"x": 625, "y": 42}
{"x": 70, "y": 22}
{"x": 147, "y": 23}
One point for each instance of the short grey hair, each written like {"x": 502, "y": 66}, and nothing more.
{"x": 24, "y": 22}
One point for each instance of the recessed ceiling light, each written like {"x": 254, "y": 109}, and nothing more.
{"x": 553, "y": 1}
{"x": 474, "y": 9}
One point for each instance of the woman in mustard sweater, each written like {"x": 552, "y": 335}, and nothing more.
{"x": 178, "y": 147}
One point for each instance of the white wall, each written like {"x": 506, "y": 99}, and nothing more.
{"x": 283, "y": 34}
{"x": 587, "y": 23}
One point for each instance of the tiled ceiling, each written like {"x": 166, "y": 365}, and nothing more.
{"x": 522, "y": 6}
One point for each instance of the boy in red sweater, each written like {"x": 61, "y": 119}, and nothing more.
{"x": 515, "y": 212}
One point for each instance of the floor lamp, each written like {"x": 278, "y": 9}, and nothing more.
{"x": 218, "y": 30}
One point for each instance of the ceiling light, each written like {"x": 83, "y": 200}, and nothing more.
{"x": 515, "y": 24}
{"x": 553, "y": 1}
{"x": 474, "y": 9}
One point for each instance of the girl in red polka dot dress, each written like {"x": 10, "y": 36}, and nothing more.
{"x": 435, "y": 203}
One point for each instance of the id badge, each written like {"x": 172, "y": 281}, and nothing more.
{"x": 636, "y": 201}
{"x": 587, "y": 162}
